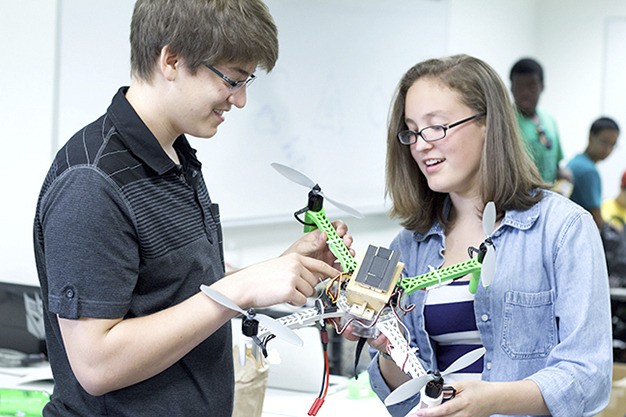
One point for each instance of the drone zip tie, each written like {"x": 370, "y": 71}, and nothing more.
{"x": 363, "y": 295}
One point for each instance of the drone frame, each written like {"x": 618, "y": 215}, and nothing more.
{"x": 315, "y": 215}
{"x": 386, "y": 320}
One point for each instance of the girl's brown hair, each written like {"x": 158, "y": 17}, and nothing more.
{"x": 508, "y": 176}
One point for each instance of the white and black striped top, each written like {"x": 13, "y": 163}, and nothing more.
{"x": 450, "y": 323}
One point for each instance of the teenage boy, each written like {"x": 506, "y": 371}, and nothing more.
{"x": 126, "y": 232}
{"x": 587, "y": 192}
{"x": 538, "y": 128}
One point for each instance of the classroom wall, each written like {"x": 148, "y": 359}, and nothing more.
{"x": 568, "y": 41}
{"x": 27, "y": 29}
{"x": 574, "y": 56}
{"x": 470, "y": 30}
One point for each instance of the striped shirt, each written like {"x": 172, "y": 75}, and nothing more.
{"x": 450, "y": 323}
{"x": 121, "y": 231}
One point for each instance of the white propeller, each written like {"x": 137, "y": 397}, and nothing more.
{"x": 271, "y": 324}
{"x": 489, "y": 260}
{"x": 411, "y": 387}
{"x": 299, "y": 178}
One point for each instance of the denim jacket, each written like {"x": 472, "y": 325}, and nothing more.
{"x": 546, "y": 315}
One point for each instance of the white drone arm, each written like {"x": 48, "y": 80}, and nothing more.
{"x": 400, "y": 351}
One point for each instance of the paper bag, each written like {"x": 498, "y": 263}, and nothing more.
{"x": 250, "y": 384}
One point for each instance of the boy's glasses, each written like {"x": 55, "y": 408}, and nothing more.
{"x": 234, "y": 86}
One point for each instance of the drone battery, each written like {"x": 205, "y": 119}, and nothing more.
{"x": 377, "y": 268}
{"x": 373, "y": 282}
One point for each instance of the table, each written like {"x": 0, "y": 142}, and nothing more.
{"x": 283, "y": 403}
{"x": 340, "y": 401}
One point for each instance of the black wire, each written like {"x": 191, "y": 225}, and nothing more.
{"x": 323, "y": 383}
{"x": 297, "y": 213}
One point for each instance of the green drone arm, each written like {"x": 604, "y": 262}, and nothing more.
{"x": 473, "y": 266}
{"x": 335, "y": 243}
{"x": 309, "y": 221}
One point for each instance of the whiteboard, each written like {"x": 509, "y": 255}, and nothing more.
{"x": 322, "y": 110}
{"x": 93, "y": 61}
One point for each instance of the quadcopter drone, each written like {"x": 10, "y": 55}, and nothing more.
{"x": 368, "y": 296}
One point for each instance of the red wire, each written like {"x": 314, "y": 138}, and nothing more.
{"x": 317, "y": 404}
{"x": 327, "y": 374}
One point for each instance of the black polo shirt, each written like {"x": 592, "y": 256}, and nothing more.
{"x": 122, "y": 231}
